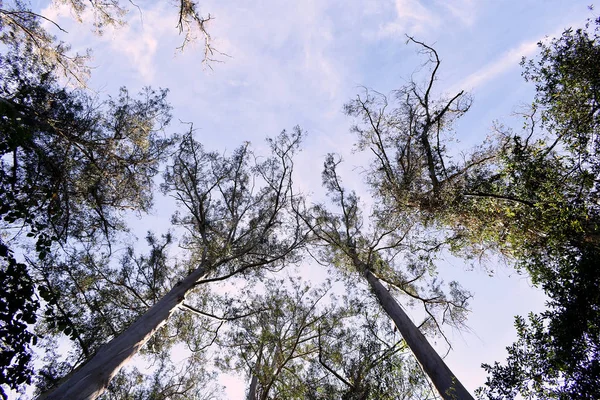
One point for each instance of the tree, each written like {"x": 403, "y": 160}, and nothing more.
{"x": 407, "y": 133}
{"x": 188, "y": 381}
{"x": 70, "y": 166}
{"x": 295, "y": 342}
{"x": 412, "y": 169}
{"x": 376, "y": 253}
{"x": 415, "y": 183}
{"x": 275, "y": 343}
{"x": 362, "y": 357}
{"x": 63, "y": 175}
{"x": 531, "y": 197}
{"x": 233, "y": 227}
{"x": 552, "y": 228}
{"x": 96, "y": 298}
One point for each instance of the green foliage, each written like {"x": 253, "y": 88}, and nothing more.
{"x": 557, "y": 352}
{"x": 364, "y": 357}
{"x": 94, "y": 300}
{"x": 187, "y": 380}
{"x": 568, "y": 88}
{"x": 69, "y": 166}
{"x": 276, "y": 340}
{"x": 69, "y": 163}
{"x": 550, "y": 184}
{"x": 298, "y": 342}
{"x": 18, "y": 307}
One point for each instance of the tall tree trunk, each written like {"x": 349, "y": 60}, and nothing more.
{"x": 254, "y": 381}
{"x": 273, "y": 370}
{"x": 443, "y": 379}
{"x": 252, "y": 390}
{"x": 90, "y": 381}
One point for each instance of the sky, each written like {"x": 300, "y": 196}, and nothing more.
{"x": 296, "y": 63}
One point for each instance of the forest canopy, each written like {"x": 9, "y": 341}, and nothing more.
{"x": 302, "y": 296}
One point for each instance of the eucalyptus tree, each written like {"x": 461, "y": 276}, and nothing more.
{"x": 185, "y": 380}
{"x": 530, "y": 196}
{"x": 412, "y": 180}
{"x": 97, "y": 297}
{"x": 545, "y": 188}
{"x": 364, "y": 357}
{"x": 408, "y": 133}
{"x": 70, "y": 165}
{"x": 302, "y": 341}
{"x": 236, "y": 215}
{"x": 388, "y": 250}
{"x": 273, "y": 346}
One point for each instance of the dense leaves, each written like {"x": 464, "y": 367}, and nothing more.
{"x": 551, "y": 223}
{"x": 69, "y": 166}
{"x": 17, "y": 309}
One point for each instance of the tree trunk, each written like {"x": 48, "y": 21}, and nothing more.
{"x": 254, "y": 381}
{"x": 252, "y": 390}
{"x": 93, "y": 378}
{"x": 443, "y": 379}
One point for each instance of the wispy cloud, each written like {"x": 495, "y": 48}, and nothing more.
{"x": 416, "y": 17}
{"x": 510, "y": 59}
{"x": 411, "y": 17}
{"x": 135, "y": 42}
{"x": 496, "y": 68}
{"x": 465, "y": 11}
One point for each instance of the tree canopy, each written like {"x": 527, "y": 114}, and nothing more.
{"x": 553, "y": 227}
{"x": 70, "y": 166}
{"x": 224, "y": 288}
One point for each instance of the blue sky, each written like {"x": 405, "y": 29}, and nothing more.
{"x": 297, "y": 63}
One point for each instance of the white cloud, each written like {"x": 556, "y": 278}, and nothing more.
{"x": 414, "y": 17}
{"x": 411, "y": 17}
{"x": 508, "y": 60}
{"x": 136, "y": 42}
{"x": 465, "y": 11}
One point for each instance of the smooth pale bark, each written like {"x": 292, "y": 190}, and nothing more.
{"x": 252, "y": 391}
{"x": 254, "y": 381}
{"x": 93, "y": 378}
{"x": 443, "y": 379}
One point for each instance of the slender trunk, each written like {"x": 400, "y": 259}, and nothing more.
{"x": 92, "y": 378}
{"x": 443, "y": 379}
{"x": 252, "y": 391}
{"x": 265, "y": 390}
{"x": 254, "y": 381}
